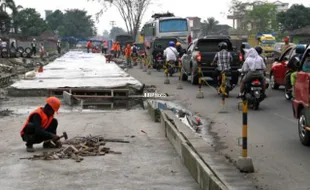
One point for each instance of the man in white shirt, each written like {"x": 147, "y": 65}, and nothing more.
{"x": 254, "y": 67}
{"x": 171, "y": 53}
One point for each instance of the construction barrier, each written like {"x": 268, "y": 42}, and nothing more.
{"x": 167, "y": 81}
{"x": 200, "y": 93}
{"x": 179, "y": 85}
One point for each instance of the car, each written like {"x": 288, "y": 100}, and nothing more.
{"x": 301, "y": 101}
{"x": 279, "y": 69}
{"x": 207, "y": 47}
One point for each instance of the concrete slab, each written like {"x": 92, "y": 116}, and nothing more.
{"x": 147, "y": 162}
{"x": 79, "y": 69}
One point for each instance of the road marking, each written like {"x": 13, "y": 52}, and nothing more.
{"x": 291, "y": 120}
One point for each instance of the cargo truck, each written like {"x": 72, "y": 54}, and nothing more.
{"x": 266, "y": 41}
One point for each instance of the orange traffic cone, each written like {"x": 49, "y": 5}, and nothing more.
{"x": 40, "y": 69}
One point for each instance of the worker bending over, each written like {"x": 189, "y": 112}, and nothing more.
{"x": 42, "y": 126}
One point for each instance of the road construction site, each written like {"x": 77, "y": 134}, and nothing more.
{"x": 133, "y": 152}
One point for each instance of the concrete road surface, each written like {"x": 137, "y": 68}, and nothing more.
{"x": 281, "y": 162}
{"x": 147, "y": 162}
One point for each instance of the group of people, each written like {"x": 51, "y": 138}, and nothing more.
{"x": 42, "y": 49}
{"x": 131, "y": 54}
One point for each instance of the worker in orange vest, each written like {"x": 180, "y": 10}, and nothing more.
{"x": 88, "y": 46}
{"x": 113, "y": 50}
{"x": 118, "y": 49}
{"x": 128, "y": 55}
{"x": 41, "y": 126}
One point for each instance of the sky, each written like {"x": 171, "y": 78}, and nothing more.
{"x": 183, "y": 8}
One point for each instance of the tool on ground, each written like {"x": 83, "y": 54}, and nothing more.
{"x": 64, "y": 135}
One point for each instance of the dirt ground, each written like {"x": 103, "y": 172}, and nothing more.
{"x": 147, "y": 162}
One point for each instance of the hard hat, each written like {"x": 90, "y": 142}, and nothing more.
{"x": 54, "y": 103}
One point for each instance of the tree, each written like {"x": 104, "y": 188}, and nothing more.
{"x": 5, "y": 20}
{"x": 78, "y": 24}
{"x": 55, "y": 20}
{"x": 263, "y": 17}
{"x": 15, "y": 9}
{"x": 131, "y": 11}
{"x": 116, "y": 31}
{"x": 294, "y": 18}
{"x": 30, "y": 22}
{"x": 208, "y": 25}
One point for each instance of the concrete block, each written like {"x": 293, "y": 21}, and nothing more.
{"x": 245, "y": 164}
{"x": 175, "y": 138}
{"x": 200, "y": 95}
{"x": 67, "y": 98}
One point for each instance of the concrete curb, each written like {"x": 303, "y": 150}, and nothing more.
{"x": 199, "y": 170}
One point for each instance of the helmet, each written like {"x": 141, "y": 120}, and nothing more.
{"x": 171, "y": 44}
{"x": 34, "y": 39}
{"x": 300, "y": 49}
{"x": 178, "y": 44}
{"x": 54, "y": 103}
{"x": 259, "y": 50}
{"x": 223, "y": 45}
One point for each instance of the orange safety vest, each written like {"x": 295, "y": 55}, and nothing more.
{"x": 128, "y": 51}
{"x": 45, "y": 121}
{"x": 113, "y": 48}
{"x": 118, "y": 47}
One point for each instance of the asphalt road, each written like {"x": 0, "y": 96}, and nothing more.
{"x": 280, "y": 160}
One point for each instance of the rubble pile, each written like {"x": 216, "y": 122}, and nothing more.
{"x": 80, "y": 147}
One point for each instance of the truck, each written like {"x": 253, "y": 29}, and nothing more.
{"x": 266, "y": 41}
{"x": 206, "y": 47}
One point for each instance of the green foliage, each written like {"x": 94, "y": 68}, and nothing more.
{"x": 55, "y": 20}
{"x": 116, "y": 31}
{"x": 30, "y": 22}
{"x": 297, "y": 16}
{"x": 208, "y": 25}
{"x": 264, "y": 17}
{"x": 77, "y": 23}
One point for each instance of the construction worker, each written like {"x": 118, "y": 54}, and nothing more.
{"x": 104, "y": 47}
{"x": 42, "y": 50}
{"x": 128, "y": 55}
{"x": 113, "y": 49}
{"x": 134, "y": 53}
{"x": 59, "y": 47}
{"x": 41, "y": 126}
{"x": 88, "y": 46}
{"x": 118, "y": 49}
{"x": 34, "y": 47}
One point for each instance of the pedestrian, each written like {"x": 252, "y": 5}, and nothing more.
{"x": 41, "y": 126}
{"x": 59, "y": 47}
{"x": 13, "y": 44}
{"x": 105, "y": 47}
{"x": 88, "y": 46}
{"x": 114, "y": 50}
{"x": 34, "y": 47}
{"x": 42, "y": 50}
{"x": 286, "y": 44}
{"x": 128, "y": 55}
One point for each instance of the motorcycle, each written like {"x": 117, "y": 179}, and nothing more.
{"x": 158, "y": 62}
{"x": 172, "y": 67}
{"x": 253, "y": 92}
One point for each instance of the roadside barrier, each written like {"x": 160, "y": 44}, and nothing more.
{"x": 145, "y": 64}
{"x": 245, "y": 163}
{"x": 200, "y": 93}
{"x": 222, "y": 90}
{"x": 149, "y": 66}
{"x": 141, "y": 62}
{"x": 179, "y": 85}
{"x": 167, "y": 81}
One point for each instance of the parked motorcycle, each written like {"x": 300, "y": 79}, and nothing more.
{"x": 253, "y": 92}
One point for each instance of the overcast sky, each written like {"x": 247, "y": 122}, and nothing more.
{"x": 184, "y": 8}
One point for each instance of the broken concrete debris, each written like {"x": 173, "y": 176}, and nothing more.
{"x": 80, "y": 147}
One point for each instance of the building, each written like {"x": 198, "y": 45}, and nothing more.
{"x": 195, "y": 24}
{"x": 238, "y": 17}
{"x": 300, "y": 36}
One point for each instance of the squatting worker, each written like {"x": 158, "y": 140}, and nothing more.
{"x": 41, "y": 126}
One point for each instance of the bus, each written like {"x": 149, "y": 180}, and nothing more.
{"x": 166, "y": 26}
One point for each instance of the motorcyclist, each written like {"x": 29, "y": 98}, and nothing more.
{"x": 222, "y": 59}
{"x": 179, "y": 48}
{"x": 254, "y": 67}
{"x": 292, "y": 65}
{"x": 260, "y": 52}
{"x": 171, "y": 53}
